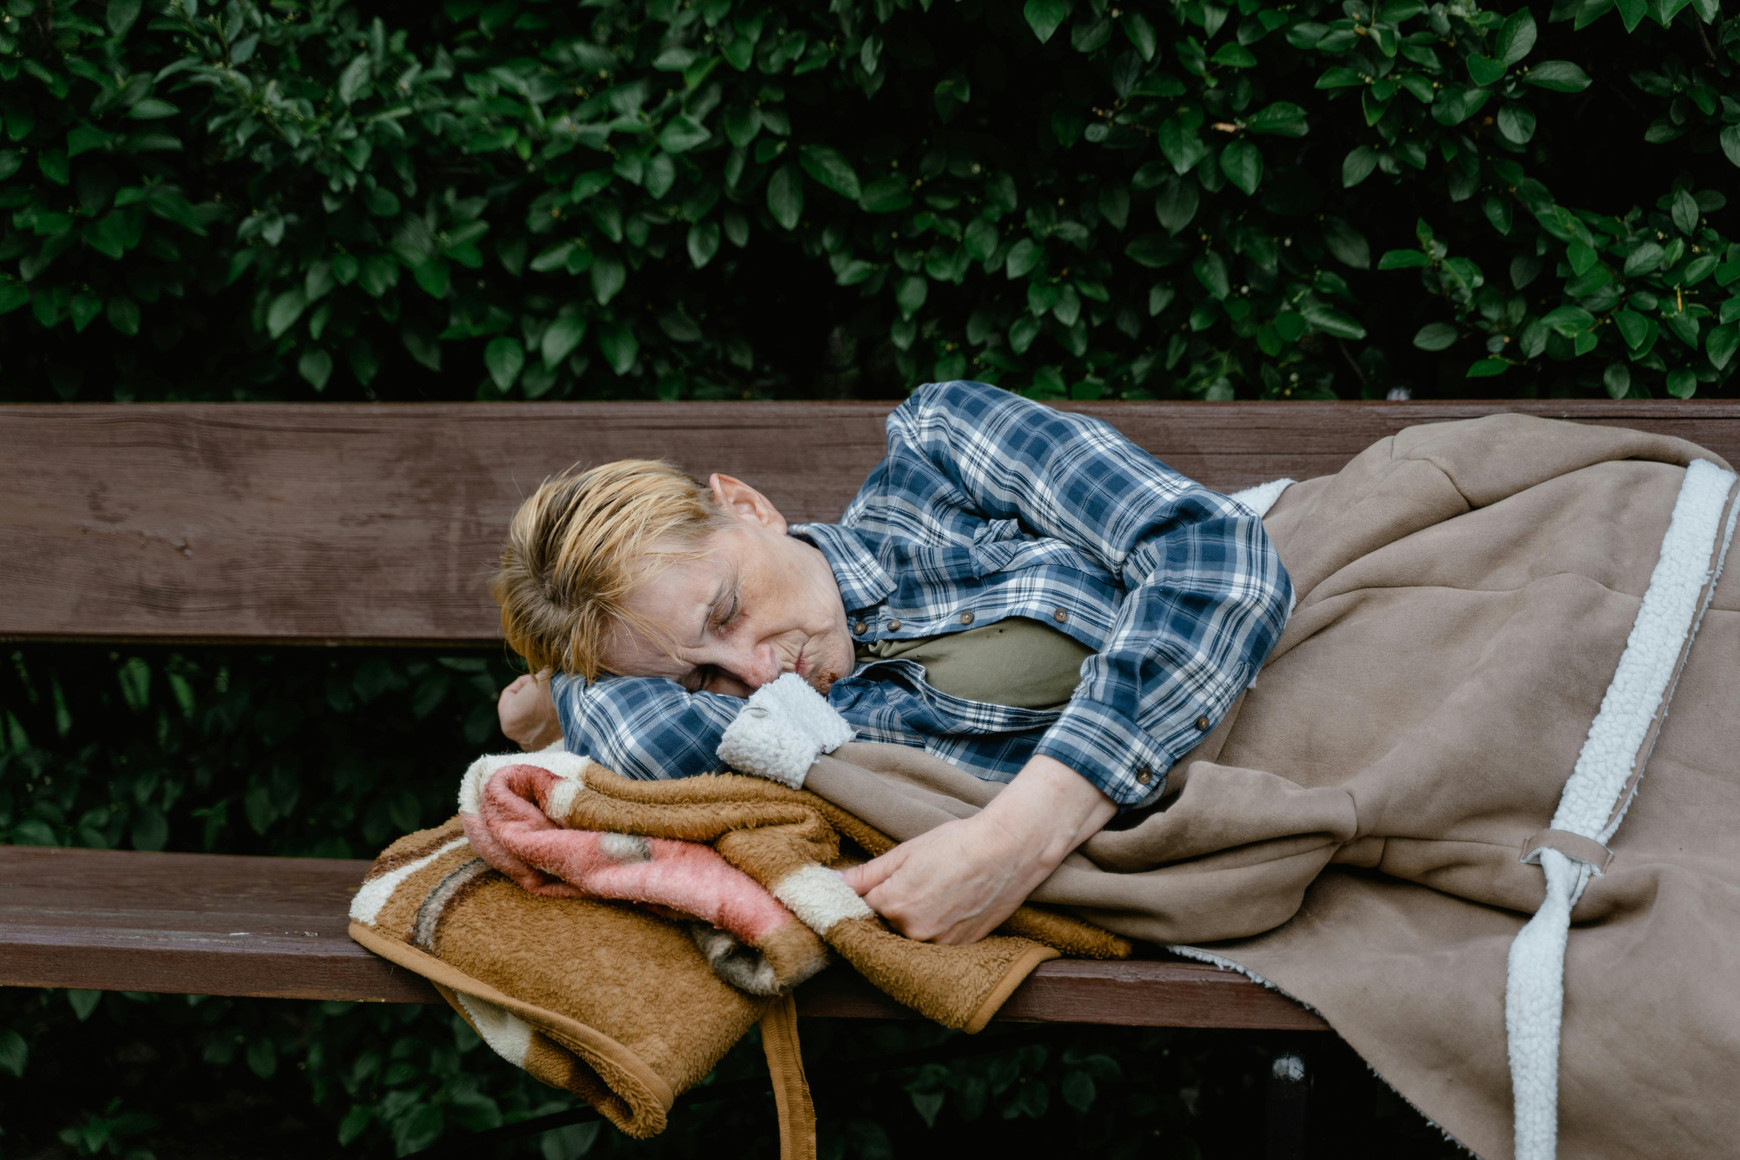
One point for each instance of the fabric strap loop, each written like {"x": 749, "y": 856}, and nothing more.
{"x": 1571, "y": 845}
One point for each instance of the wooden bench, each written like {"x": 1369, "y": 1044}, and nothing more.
{"x": 253, "y": 525}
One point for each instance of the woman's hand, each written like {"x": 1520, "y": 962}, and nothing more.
{"x": 528, "y": 715}
{"x": 957, "y": 883}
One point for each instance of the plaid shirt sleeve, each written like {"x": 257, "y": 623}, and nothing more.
{"x": 1206, "y": 595}
{"x": 646, "y": 728}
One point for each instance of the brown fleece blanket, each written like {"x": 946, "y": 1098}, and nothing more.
{"x": 1470, "y": 621}
{"x": 556, "y": 913}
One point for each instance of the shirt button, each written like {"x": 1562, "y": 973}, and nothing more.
{"x": 967, "y": 616}
{"x": 1144, "y": 775}
{"x": 1060, "y": 616}
{"x": 859, "y": 627}
{"x": 894, "y": 626}
{"x": 1202, "y": 724}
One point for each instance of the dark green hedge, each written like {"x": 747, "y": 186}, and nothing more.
{"x": 724, "y": 198}
{"x": 730, "y": 197}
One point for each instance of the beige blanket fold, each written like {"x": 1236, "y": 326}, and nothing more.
{"x": 1494, "y": 619}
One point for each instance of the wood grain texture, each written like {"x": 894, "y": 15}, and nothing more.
{"x": 275, "y": 927}
{"x": 265, "y": 523}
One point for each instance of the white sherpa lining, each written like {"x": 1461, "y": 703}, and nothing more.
{"x": 781, "y": 731}
{"x": 1262, "y": 497}
{"x": 1679, "y": 590}
{"x": 507, "y": 1034}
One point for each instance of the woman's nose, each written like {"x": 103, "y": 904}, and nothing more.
{"x": 759, "y": 666}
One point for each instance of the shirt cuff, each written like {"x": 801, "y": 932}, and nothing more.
{"x": 1115, "y": 753}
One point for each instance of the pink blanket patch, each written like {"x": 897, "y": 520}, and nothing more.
{"x": 512, "y": 833}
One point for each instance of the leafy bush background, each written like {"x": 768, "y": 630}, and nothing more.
{"x": 735, "y": 198}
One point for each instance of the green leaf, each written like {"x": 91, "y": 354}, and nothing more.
{"x": 1685, "y": 211}
{"x": 433, "y": 276}
{"x": 1483, "y": 70}
{"x": 910, "y": 294}
{"x": 785, "y": 196}
{"x": 1617, "y": 379}
{"x": 1234, "y": 55}
{"x": 560, "y": 339}
{"x": 682, "y": 134}
{"x": 123, "y": 315}
{"x": 1721, "y": 344}
{"x": 889, "y": 194}
{"x": 1568, "y": 321}
{"x": 1682, "y": 383}
{"x": 1211, "y": 271}
{"x": 1281, "y": 118}
{"x": 1347, "y": 244}
{"x": 1436, "y": 336}
{"x": 53, "y": 164}
{"x": 83, "y": 1002}
{"x": 285, "y": 309}
{"x": 1331, "y": 321}
{"x": 703, "y": 242}
{"x": 13, "y": 1050}
{"x": 1633, "y": 327}
{"x": 609, "y": 276}
{"x": 1357, "y": 166}
{"x": 1645, "y": 258}
{"x": 504, "y": 357}
{"x": 85, "y": 138}
{"x": 1044, "y": 17}
{"x": 1242, "y": 162}
{"x": 1516, "y": 36}
{"x": 1730, "y": 138}
{"x": 353, "y": 78}
{"x": 1341, "y": 78}
{"x": 980, "y": 239}
{"x": 1559, "y": 76}
{"x": 1182, "y": 147}
{"x": 1403, "y": 260}
{"x": 831, "y": 169}
{"x": 1023, "y": 258}
{"x": 1486, "y": 368}
{"x": 1631, "y": 12}
{"x": 1141, "y": 34}
{"x": 1155, "y": 250}
{"x": 12, "y": 296}
{"x": 315, "y": 365}
{"x": 1516, "y": 122}
{"x": 616, "y": 341}
{"x": 121, "y": 15}
{"x": 1176, "y": 203}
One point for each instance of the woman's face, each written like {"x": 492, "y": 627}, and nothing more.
{"x": 756, "y": 605}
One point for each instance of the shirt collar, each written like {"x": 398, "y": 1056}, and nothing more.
{"x": 863, "y": 582}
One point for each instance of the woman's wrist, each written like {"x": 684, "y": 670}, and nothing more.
{"x": 1048, "y": 810}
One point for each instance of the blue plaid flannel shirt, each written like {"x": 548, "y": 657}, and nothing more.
{"x": 993, "y": 505}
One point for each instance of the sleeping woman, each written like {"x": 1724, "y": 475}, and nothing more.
{"x": 1022, "y": 592}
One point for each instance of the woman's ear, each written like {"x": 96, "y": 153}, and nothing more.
{"x": 744, "y": 502}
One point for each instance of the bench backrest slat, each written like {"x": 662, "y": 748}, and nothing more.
{"x": 261, "y": 523}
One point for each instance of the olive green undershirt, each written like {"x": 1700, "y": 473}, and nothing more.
{"x": 1022, "y": 663}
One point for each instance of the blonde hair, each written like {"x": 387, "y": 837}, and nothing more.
{"x": 582, "y": 544}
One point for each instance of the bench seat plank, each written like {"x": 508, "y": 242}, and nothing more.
{"x": 276, "y": 927}
{"x": 380, "y": 523}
